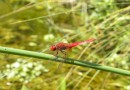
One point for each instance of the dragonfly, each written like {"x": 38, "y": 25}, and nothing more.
{"x": 62, "y": 47}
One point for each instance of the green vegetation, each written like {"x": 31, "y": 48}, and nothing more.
{"x": 34, "y": 25}
{"x": 53, "y": 58}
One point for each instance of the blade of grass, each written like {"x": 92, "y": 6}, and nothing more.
{"x": 67, "y": 60}
{"x": 63, "y": 83}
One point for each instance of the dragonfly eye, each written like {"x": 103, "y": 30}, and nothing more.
{"x": 53, "y": 48}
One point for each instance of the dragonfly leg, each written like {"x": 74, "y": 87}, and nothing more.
{"x": 60, "y": 65}
{"x": 56, "y": 53}
{"x": 64, "y": 53}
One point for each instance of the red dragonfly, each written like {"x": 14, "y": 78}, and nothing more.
{"x": 66, "y": 46}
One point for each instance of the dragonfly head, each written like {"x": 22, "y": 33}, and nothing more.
{"x": 53, "y": 48}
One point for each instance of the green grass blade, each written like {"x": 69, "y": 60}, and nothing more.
{"x": 67, "y": 60}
